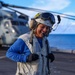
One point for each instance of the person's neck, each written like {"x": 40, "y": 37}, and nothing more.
{"x": 39, "y": 37}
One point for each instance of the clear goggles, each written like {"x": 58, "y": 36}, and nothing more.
{"x": 46, "y": 16}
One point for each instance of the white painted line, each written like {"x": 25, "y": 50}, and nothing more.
{"x": 1, "y": 57}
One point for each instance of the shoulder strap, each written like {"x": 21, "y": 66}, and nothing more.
{"x": 47, "y": 58}
{"x": 31, "y": 38}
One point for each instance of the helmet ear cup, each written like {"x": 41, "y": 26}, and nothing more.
{"x": 33, "y": 24}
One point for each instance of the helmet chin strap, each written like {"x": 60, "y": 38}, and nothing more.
{"x": 31, "y": 37}
{"x": 44, "y": 34}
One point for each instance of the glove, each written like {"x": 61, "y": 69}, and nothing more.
{"x": 32, "y": 57}
{"x": 51, "y": 57}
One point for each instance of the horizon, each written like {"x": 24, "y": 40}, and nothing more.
{"x": 64, "y": 6}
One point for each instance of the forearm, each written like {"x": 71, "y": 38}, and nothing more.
{"x": 18, "y": 51}
{"x": 16, "y": 56}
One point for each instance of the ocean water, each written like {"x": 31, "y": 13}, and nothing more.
{"x": 62, "y": 41}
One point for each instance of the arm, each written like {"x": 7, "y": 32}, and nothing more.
{"x": 18, "y": 51}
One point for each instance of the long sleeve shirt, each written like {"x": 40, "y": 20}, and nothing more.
{"x": 18, "y": 51}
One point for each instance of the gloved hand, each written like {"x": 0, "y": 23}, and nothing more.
{"x": 32, "y": 57}
{"x": 51, "y": 57}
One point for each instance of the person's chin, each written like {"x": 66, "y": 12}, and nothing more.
{"x": 41, "y": 36}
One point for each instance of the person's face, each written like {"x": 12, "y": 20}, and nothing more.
{"x": 41, "y": 30}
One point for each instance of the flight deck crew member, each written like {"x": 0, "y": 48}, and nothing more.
{"x": 31, "y": 50}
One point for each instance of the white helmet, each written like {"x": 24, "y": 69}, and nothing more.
{"x": 45, "y": 22}
{"x": 45, "y": 18}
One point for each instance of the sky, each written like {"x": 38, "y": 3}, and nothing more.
{"x": 67, "y": 26}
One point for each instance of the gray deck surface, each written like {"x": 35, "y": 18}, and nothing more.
{"x": 64, "y": 64}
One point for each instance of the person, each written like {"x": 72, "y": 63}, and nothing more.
{"x": 31, "y": 50}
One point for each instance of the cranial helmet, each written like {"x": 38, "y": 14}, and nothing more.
{"x": 45, "y": 18}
